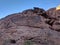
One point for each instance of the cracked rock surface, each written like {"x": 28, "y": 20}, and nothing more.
{"x": 31, "y": 27}
{"x": 54, "y": 16}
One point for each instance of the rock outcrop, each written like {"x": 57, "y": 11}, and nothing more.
{"x": 31, "y": 27}
{"x": 54, "y": 16}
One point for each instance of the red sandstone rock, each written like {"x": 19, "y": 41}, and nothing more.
{"x": 54, "y": 15}
{"x": 31, "y": 27}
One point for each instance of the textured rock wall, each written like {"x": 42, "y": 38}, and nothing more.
{"x": 31, "y": 27}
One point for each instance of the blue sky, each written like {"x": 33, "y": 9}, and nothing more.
{"x": 14, "y": 6}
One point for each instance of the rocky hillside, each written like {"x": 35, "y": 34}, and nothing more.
{"x": 31, "y": 27}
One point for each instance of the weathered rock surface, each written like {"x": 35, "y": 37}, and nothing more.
{"x": 54, "y": 16}
{"x": 30, "y": 27}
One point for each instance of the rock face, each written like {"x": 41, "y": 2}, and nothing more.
{"x": 31, "y": 27}
{"x": 54, "y": 16}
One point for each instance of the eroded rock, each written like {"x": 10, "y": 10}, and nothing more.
{"x": 31, "y": 27}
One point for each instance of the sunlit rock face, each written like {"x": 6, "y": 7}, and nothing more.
{"x": 58, "y": 7}
{"x": 31, "y": 27}
{"x": 54, "y": 15}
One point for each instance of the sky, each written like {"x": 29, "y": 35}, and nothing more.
{"x": 8, "y": 7}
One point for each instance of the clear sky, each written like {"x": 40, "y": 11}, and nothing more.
{"x": 14, "y": 6}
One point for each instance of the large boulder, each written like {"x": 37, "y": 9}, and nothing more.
{"x": 30, "y": 27}
{"x": 26, "y": 18}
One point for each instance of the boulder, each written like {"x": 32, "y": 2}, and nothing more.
{"x": 30, "y": 27}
